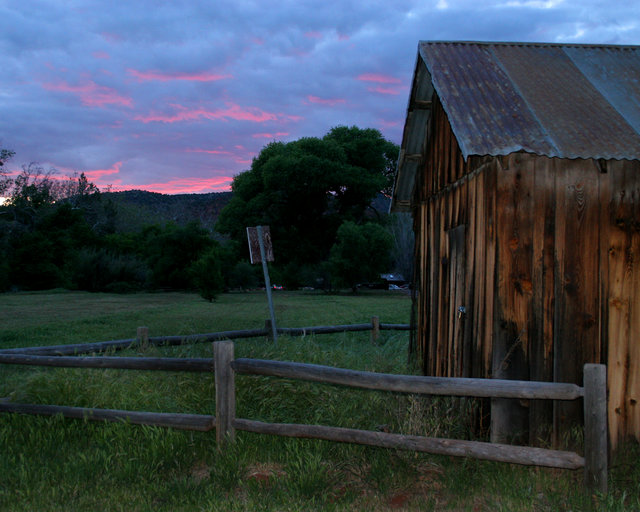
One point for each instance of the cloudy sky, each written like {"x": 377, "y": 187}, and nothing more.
{"x": 177, "y": 96}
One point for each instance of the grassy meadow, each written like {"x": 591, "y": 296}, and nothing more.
{"x": 52, "y": 463}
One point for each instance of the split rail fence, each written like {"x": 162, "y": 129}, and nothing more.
{"x": 225, "y": 366}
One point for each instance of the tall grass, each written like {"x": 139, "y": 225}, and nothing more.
{"x": 60, "y": 464}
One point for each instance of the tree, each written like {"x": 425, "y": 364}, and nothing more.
{"x": 360, "y": 254}
{"x": 29, "y": 192}
{"x": 306, "y": 188}
{"x": 5, "y": 181}
{"x": 206, "y": 274}
{"x": 367, "y": 149}
{"x": 401, "y": 229}
{"x": 170, "y": 251}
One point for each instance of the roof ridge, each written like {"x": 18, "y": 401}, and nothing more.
{"x": 533, "y": 43}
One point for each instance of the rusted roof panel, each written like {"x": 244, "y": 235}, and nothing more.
{"x": 565, "y": 101}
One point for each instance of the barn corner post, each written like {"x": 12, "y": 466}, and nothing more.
{"x": 225, "y": 392}
{"x": 595, "y": 428}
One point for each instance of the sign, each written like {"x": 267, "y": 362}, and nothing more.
{"x": 254, "y": 244}
{"x": 261, "y": 251}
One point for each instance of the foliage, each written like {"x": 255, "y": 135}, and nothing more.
{"x": 401, "y": 230}
{"x": 42, "y": 255}
{"x": 242, "y": 276}
{"x": 360, "y": 254}
{"x": 99, "y": 269}
{"x": 206, "y": 274}
{"x": 306, "y": 188}
{"x": 5, "y": 181}
{"x": 5, "y": 155}
{"x": 171, "y": 250}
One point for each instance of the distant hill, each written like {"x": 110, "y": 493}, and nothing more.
{"x": 137, "y": 208}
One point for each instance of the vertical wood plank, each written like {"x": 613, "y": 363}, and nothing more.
{"x": 541, "y": 336}
{"x": 595, "y": 427}
{"x": 576, "y": 327}
{"x": 633, "y": 342}
{"x": 469, "y": 357}
{"x": 619, "y": 308}
{"x": 457, "y": 313}
{"x": 225, "y": 392}
{"x": 490, "y": 184}
{"x": 509, "y": 418}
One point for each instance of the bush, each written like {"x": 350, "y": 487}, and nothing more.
{"x": 243, "y": 276}
{"x": 101, "y": 270}
{"x": 5, "y": 282}
{"x": 360, "y": 254}
{"x": 206, "y": 274}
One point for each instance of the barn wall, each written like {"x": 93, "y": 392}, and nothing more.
{"x": 540, "y": 254}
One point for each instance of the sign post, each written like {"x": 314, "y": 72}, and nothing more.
{"x": 261, "y": 236}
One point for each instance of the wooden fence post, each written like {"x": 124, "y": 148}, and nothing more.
{"x": 595, "y": 427}
{"x": 375, "y": 329}
{"x": 225, "y": 392}
{"x": 143, "y": 337}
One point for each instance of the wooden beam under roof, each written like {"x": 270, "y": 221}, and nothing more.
{"x": 421, "y": 105}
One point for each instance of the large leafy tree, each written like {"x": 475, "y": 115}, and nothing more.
{"x": 306, "y": 188}
{"x": 360, "y": 254}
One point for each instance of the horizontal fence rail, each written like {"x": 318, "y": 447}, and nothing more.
{"x": 225, "y": 366}
{"x": 178, "y": 364}
{"x": 495, "y": 388}
{"x": 473, "y": 449}
{"x": 159, "y": 341}
{"x": 158, "y": 419}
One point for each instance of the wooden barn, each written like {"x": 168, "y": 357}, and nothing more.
{"x": 521, "y": 165}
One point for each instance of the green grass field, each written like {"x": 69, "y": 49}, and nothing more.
{"x": 62, "y": 464}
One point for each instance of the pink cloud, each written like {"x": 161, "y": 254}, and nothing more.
{"x": 312, "y": 34}
{"x": 111, "y": 37}
{"x": 91, "y": 94}
{"x": 143, "y": 76}
{"x": 390, "y": 124}
{"x": 325, "y": 101}
{"x": 387, "y": 90}
{"x": 208, "y": 151}
{"x": 343, "y": 37}
{"x": 190, "y": 185}
{"x": 101, "y": 55}
{"x": 380, "y": 79}
{"x": 269, "y": 135}
{"x": 98, "y": 174}
{"x": 233, "y": 111}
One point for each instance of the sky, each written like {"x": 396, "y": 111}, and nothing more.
{"x": 179, "y": 97}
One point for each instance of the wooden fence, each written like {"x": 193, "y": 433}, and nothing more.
{"x": 225, "y": 366}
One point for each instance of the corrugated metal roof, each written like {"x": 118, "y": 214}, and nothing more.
{"x": 566, "y": 101}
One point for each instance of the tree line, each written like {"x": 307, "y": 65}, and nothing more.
{"x": 316, "y": 194}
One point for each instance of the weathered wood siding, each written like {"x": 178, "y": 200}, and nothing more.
{"x": 528, "y": 268}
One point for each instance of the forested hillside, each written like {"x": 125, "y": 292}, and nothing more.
{"x": 138, "y": 208}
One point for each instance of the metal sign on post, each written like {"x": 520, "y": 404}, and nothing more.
{"x": 261, "y": 250}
